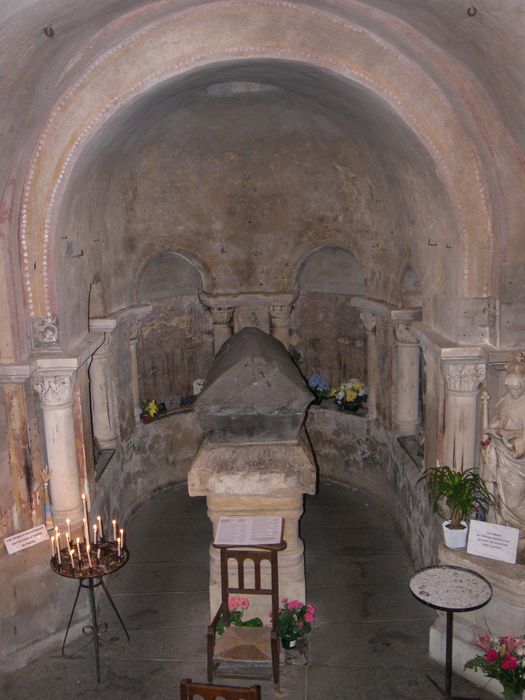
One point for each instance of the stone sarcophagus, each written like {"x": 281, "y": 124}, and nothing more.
{"x": 255, "y": 458}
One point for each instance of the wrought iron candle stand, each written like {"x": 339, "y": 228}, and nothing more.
{"x": 106, "y": 558}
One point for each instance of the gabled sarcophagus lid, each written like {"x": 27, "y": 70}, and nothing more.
{"x": 254, "y": 392}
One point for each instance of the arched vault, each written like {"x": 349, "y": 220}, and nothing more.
{"x": 224, "y": 31}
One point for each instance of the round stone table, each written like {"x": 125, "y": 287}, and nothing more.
{"x": 451, "y": 589}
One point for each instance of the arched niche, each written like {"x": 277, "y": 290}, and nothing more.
{"x": 97, "y": 301}
{"x": 326, "y": 329}
{"x": 175, "y": 343}
{"x": 410, "y": 289}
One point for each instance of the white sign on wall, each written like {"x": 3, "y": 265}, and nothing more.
{"x": 493, "y": 541}
{"x": 25, "y": 539}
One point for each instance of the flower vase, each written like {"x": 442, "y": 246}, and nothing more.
{"x": 510, "y": 694}
{"x": 288, "y": 642}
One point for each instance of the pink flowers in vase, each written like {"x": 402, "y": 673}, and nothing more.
{"x": 295, "y": 618}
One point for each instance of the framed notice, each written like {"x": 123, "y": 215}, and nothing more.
{"x": 493, "y": 541}
{"x": 246, "y": 530}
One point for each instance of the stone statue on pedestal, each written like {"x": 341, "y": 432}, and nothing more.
{"x": 503, "y": 448}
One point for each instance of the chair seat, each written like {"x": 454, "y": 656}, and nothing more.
{"x": 244, "y": 644}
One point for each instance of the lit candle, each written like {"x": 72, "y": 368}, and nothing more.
{"x": 118, "y": 547}
{"x": 78, "y": 549}
{"x": 59, "y": 555}
{"x": 86, "y": 530}
{"x": 53, "y": 546}
{"x": 71, "y": 555}
{"x": 68, "y": 523}
{"x": 101, "y": 531}
{"x": 114, "y": 529}
{"x": 88, "y": 554}
{"x": 122, "y": 537}
{"x": 95, "y": 541}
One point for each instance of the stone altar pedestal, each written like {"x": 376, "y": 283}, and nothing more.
{"x": 255, "y": 458}
{"x": 505, "y": 614}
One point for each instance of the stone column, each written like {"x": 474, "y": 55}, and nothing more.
{"x": 134, "y": 330}
{"x": 369, "y": 321}
{"x": 280, "y": 323}
{"x": 222, "y": 330}
{"x": 56, "y": 400}
{"x": 407, "y": 390}
{"x": 102, "y": 398}
{"x": 462, "y": 380}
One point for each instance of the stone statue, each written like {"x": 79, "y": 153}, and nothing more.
{"x": 503, "y": 448}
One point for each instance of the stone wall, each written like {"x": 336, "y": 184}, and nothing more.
{"x": 360, "y": 453}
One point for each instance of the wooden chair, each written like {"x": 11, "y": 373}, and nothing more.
{"x": 207, "y": 691}
{"x": 246, "y": 652}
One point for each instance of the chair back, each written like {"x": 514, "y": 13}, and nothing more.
{"x": 255, "y": 584}
{"x": 211, "y": 691}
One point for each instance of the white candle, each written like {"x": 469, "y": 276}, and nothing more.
{"x": 114, "y": 529}
{"x": 78, "y": 549}
{"x": 86, "y": 530}
{"x": 101, "y": 531}
{"x": 88, "y": 555}
{"x": 118, "y": 547}
{"x": 95, "y": 541}
{"x": 58, "y": 552}
{"x": 53, "y": 546}
{"x": 98, "y": 554}
{"x": 122, "y": 537}
{"x": 68, "y": 523}
{"x": 71, "y": 555}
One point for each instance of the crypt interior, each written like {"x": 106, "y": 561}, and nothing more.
{"x": 345, "y": 177}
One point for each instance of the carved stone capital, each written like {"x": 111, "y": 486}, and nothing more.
{"x": 463, "y": 377}
{"x": 280, "y": 315}
{"x": 55, "y": 391}
{"x": 222, "y": 315}
{"x": 405, "y": 335}
{"x": 44, "y": 332}
{"x": 369, "y": 321}
{"x": 134, "y": 329}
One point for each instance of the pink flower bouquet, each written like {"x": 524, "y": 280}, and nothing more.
{"x": 503, "y": 659}
{"x": 295, "y": 618}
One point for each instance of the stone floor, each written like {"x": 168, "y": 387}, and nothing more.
{"x": 369, "y": 641}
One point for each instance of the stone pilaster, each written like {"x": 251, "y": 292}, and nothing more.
{"x": 222, "y": 326}
{"x": 370, "y": 321}
{"x": 280, "y": 322}
{"x": 462, "y": 380}
{"x": 134, "y": 330}
{"x": 407, "y": 391}
{"x": 102, "y": 397}
{"x": 56, "y": 400}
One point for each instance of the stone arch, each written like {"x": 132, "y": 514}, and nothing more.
{"x": 211, "y": 33}
{"x": 326, "y": 328}
{"x": 410, "y": 289}
{"x": 330, "y": 269}
{"x": 168, "y": 274}
{"x": 175, "y": 344}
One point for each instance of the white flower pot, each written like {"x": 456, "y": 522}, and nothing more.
{"x": 455, "y": 539}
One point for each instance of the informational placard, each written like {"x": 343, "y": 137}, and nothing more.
{"x": 25, "y": 539}
{"x": 248, "y": 530}
{"x": 493, "y": 541}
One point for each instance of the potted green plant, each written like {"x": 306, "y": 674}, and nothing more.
{"x": 455, "y": 495}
